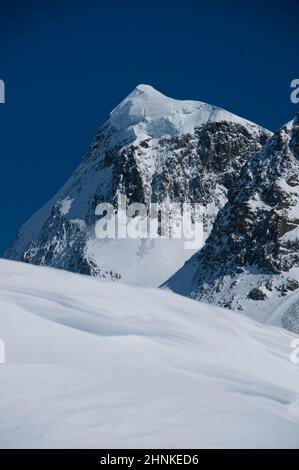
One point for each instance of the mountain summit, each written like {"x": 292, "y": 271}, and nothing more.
{"x": 151, "y": 149}
{"x": 149, "y": 112}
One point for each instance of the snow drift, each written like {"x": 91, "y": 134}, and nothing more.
{"x": 96, "y": 364}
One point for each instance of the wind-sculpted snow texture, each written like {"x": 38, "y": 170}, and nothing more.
{"x": 96, "y": 364}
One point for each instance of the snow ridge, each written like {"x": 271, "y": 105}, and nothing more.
{"x": 148, "y": 112}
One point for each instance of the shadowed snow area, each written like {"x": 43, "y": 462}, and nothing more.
{"x": 92, "y": 363}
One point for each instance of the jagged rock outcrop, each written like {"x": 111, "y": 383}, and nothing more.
{"x": 250, "y": 261}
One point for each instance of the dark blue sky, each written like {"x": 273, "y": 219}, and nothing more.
{"x": 67, "y": 63}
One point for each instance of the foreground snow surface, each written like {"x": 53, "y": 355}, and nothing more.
{"x": 92, "y": 363}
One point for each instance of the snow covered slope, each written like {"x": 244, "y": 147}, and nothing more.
{"x": 92, "y": 363}
{"x": 251, "y": 260}
{"x": 152, "y": 149}
{"x": 286, "y": 313}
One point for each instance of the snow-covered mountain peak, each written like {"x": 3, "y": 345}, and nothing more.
{"x": 145, "y": 152}
{"x": 148, "y": 91}
{"x": 146, "y": 111}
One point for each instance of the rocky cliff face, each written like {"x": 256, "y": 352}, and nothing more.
{"x": 151, "y": 149}
{"x": 250, "y": 261}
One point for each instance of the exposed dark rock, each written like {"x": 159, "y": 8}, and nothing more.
{"x": 255, "y": 238}
{"x": 257, "y": 294}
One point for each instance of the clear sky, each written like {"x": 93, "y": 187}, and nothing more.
{"x": 67, "y": 63}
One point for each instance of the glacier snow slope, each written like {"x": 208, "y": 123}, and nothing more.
{"x": 96, "y": 364}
